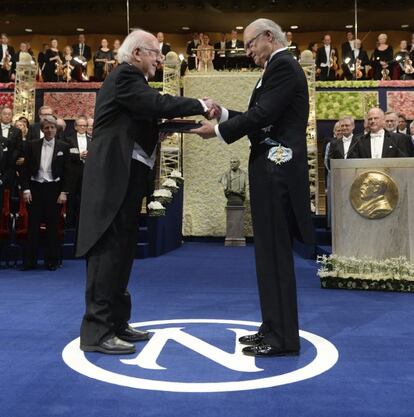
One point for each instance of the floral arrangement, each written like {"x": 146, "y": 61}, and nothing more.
{"x": 393, "y": 274}
{"x": 177, "y": 177}
{"x": 155, "y": 208}
{"x": 163, "y": 196}
{"x": 170, "y": 184}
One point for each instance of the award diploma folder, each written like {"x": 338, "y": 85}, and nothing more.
{"x": 178, "y": 126}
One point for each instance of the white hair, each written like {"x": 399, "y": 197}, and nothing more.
{"x": 267, "y": 25}
{"x": 136, "y": 39}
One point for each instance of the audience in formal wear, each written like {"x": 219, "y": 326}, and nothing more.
{"x": 382, "y": 141}
{"x": 104, "y": 61}
{"x": 191, "y": 51}
{"x": 78, "y": 151}
{"x": 205, "y": 55}
{"x": 355, "y": 62}
{"x": 164, "y": 48}
{"x": 45, "y": 184}
{"x": 343, "y": 148}
{"x": 326, "y": 60}
{"x": 53, "y": 70}
{"x": 292, "y": 46}
{"x": 6, "y": 55}
{"x": 89, "y": 129}
{"x": 402, "y": 124}
{"x": 381, "y": 59}
{"x": 220, "y": 53}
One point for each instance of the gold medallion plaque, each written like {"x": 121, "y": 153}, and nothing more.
{"x": 374, "y": 194}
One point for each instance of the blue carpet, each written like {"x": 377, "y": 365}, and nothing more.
{"x": 40, "y": 313}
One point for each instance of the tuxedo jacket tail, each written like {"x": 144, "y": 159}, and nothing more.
{"x": 127, "y": 111}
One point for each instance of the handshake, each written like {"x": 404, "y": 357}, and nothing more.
{"x": 214, "y": 111}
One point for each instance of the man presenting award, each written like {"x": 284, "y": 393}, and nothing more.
{"x": 120, "y": 159}
{"x": 275, "y": 123}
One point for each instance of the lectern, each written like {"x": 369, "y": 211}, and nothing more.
{"x": 373, "y": 208}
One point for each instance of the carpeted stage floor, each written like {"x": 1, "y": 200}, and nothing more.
{"x": 40, "y": 313}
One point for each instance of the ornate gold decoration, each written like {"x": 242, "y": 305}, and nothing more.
{"x": 24, "y": 88}
{"x": 374, "y": 195}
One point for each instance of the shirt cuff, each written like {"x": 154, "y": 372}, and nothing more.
{"x": 26, "y": 191}
{"x": 224, "y": 115}
{"x": 204, "y": 105}
{"x": 217, "y": 131}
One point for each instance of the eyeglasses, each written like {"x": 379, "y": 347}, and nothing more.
{"x": 248, "y": 45}
{"x": 157, "y": 52}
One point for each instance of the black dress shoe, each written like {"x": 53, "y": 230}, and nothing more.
{"x": 132, "y": 335}
{"x": 251, "y": 339}
{"x": 112, "y": 346}
{"x": 263, "y": 349}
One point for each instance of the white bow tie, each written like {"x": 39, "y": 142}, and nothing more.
{"x": 5, "y": 126}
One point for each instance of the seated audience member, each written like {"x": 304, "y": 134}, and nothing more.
{"x": 355, "y": 63}
{"x": 343, "y": 148}
{"x": 104, "y": 61}
{"x": 381, "y": 59}
{"x": 326, "y": 61}
{"x": 69, "y": 65}
{"x": 45, "y": 183}
{"x": 381, "y": 143}
{"x": 336, "y": 135}
{"x": 402, "y": 124}
{"x": 78, "y": 151}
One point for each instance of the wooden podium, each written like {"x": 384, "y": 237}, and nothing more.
{"x": 373, "y": 208}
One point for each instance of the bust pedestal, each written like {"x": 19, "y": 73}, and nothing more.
{"x": 235, "y": 226}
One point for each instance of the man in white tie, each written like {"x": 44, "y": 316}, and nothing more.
{"x": 78, "y": 150}
{"x": 45, "y": 183}
{"x": 382, "y": 143}
{"x": 11, "y": 136}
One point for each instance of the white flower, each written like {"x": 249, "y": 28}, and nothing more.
{"x": 169, "y": 183}
{"x": 162, "y": 193}
{"x": 175, "y": 174}
{"x": 155, "y": 205}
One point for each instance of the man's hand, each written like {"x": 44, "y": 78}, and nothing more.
{"x": 62, "y": 198}
{"x": 27, "y": 197}
{"x": 206, "y": 131}
{"x": 214, "y": 109}
{"x": 20, "y": 161}
{"x": 83, "y": 154}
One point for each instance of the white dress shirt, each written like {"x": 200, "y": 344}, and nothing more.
{"x": 81, "y": 48}
{"x": 377, "y": 143}
{"x": 356, "y": 53}
{"x": 45, "y": 170}
{"x": 347, "y": 142}
{"x": 5, "y": 130}
{"x": 82, "y": 142}
{"x": 5, "y": 49}
{"x": 328, "y": 56}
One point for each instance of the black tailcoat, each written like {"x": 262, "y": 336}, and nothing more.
{"x": 279, "y": 194}
{"x": 127, "y": 111}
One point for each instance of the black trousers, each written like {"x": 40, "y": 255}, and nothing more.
{"x": 273, "y": 226}
{"x": 326, "y": 75}
{"x": 43, "y": 208}
{"x": 109, "y": 263}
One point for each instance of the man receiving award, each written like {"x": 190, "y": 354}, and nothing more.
{"x": 116, "y": 174}
{"x": 275, "y": 123}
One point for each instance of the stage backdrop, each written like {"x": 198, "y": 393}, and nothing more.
{"x": 206, "y": 160}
